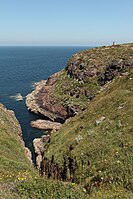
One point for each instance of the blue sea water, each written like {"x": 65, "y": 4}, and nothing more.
{"x": 20, "y": 67}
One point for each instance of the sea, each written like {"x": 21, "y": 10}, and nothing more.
{"x": 20, "y": 68}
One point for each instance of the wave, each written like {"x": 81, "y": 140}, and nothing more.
{"x": 17, "y": 97}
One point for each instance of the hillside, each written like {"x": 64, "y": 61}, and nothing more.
{"x": 93, "y": 149}
{"x": 18, "y": 177}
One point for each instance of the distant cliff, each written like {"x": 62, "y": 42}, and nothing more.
{"x": 68, "y": 92}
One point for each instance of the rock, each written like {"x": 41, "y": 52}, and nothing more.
{"x": 38, "y": 146}
{"x": 39, "y": 84}
{"x": 100, "y": 120}
{"x": 38, "y": 161}
{"x": 41, "y": 101}
{"x": 79, "y": 138}
{"x": 28, "y": 154}
{"x": 46, "y": 125}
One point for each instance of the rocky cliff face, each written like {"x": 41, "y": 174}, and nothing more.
{"x": 41, "y": 100}
{"x": 68, "y": 92}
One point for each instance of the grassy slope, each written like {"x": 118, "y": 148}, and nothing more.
{"x": 18, "y": 178}
{"x": 103, "y": 151}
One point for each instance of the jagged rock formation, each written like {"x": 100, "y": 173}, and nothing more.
{"x": 68, "y": 92}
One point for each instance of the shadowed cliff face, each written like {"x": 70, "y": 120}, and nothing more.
{"x": 68, "y": 92}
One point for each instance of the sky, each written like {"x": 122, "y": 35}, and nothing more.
{"x": 65, "y": 22}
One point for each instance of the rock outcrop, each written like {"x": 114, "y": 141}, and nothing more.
{"x": 41, "y": 100}
{"x": 39, "y": 147}
{"x": 46, "y": 125}
{"x": 28, "y": 154}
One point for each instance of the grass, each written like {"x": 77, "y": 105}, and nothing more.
{"x": 62, "y": 89}
{"x": 103, "y": 151}
{"x": 18, "y": 177}
{"x": 95, "y": 147}
{"x": 74, "y": 88}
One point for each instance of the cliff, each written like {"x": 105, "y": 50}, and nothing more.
{"x": 68, "y": 92}
{"x": 94, "y": 148}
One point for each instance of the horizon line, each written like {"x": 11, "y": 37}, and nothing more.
{"x": 51, "y": 45}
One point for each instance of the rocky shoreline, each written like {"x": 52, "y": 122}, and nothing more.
{"x": 41, "y": 101}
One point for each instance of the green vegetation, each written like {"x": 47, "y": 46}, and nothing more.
{"x": 65, "y": 85}
{"x": 90, "y": 157}
{"x": 88, "y": 71}
{"x": 18, "y": 178}
{"x": 99, "y": 142}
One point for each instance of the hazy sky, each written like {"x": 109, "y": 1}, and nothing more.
{"x": 65, "y": 22}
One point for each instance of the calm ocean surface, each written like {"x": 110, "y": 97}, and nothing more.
{"x": 20, "y": 67}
